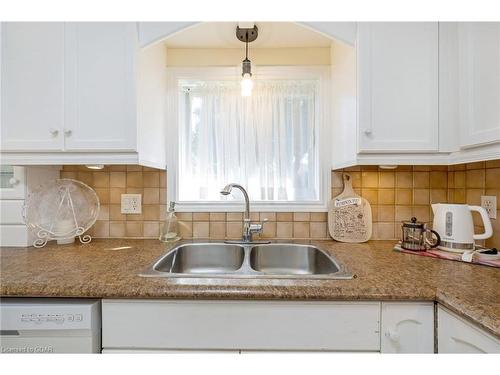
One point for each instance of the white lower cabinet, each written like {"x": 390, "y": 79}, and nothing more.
{"x": 407, "y": 327}
{"x": 240, "y": 325}
{"x": 456, "y": 335}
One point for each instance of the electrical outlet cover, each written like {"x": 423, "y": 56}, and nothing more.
{"x": 489, "y": 203}
{"x": 131, "y": 204}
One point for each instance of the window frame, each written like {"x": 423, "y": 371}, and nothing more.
{"x": 320, "y": 73}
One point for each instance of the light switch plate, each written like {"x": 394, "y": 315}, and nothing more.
{"x": 131, "y": 204}
{"x": 489, "y": 203}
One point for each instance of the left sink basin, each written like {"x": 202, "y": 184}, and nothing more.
{"x": 198, "y": 259}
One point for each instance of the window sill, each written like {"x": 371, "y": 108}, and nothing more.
{"x": 239, "y": 206}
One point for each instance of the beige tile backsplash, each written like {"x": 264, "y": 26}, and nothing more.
{"x": 394, "y": 195}
{"x": 466, "y": 184}
{"x": 112, "y": 181}
{"x": 409, "y": 190}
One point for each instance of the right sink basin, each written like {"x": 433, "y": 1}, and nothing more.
{"x": 291, "y": 259}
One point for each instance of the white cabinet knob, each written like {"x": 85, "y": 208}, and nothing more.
{"x": 13, "y": 181}
{"x": 392, "y": 335}
{"x": 54, "y": 132}
{"x": 367, "y": 131}
{"x": 67, "y": 133}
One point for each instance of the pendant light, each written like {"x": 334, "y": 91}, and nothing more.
{"x": 246, "y": 35}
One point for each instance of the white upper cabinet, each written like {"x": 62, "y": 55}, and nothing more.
{"x": 479, "y": 72}
{"x": 69, "y": 86}
{"x": 407, "y": 327}
{"x": 32, "y": 87}
{"x": 100, "y": 86}
{"x": 398, "y": 87}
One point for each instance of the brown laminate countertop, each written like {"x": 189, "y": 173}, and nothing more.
{"x": 110, "y": 268}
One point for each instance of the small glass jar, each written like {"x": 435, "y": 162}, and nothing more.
{"x": 170, "y": 228}
{"x": 416, "y": 236}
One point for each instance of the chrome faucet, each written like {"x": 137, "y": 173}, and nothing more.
{"x": 249, "y": 228}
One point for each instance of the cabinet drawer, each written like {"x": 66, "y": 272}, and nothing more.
{"x": 16, "y": 183}
{"x": 14, "y": 235}
{"x": 252, "y": 325}
{"x": 456, "y": 335}
{"x": 11, "y": 212}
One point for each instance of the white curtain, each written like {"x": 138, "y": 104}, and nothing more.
{"x": 266, "y": 142}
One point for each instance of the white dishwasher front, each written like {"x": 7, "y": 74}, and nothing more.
{"x": 46, "y": 325}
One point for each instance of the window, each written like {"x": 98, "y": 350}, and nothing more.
{"x": 270, "y": 142}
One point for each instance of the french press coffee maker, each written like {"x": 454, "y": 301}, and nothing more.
{"x": 417, "y": 237}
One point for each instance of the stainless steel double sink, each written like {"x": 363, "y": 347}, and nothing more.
{"x": 223, "y": 260}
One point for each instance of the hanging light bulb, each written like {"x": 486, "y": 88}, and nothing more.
{"x": 246, "y": 85}
{"x": 246, "y": 35}
{"x": 246, "y": 78}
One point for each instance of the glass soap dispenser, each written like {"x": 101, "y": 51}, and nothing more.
{"x": 170, "y": 229}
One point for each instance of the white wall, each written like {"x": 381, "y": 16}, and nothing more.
{"x": 258, "y": 56}
{"x": 151, "y": 32}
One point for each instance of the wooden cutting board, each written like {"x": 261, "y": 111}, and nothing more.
{"x": 349, "y": 215}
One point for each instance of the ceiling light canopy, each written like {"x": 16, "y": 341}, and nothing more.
{"x": 246, "y": 35}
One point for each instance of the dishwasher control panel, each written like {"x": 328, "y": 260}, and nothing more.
{"x": 50, "y": 314}
{"x": 55, "y": 318}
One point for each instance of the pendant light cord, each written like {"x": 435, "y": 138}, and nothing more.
{"x": 246, "y": 67}
{"x": 246, "y": 46}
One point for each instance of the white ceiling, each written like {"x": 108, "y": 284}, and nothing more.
{"x": 223, "y": 35}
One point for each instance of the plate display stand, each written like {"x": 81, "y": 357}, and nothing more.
{"x": 61, "y": 210}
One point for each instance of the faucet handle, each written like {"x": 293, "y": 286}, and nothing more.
{"x": 257, "y": 227}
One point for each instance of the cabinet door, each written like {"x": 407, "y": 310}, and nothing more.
{"x": 32, "y": 86}
{"x": 407, "y": 327}
{"x": 479, "y": 67}
{"x": 398, "y": 87}
{"x": 456, "y": 335}
{"x": 240, "y": 325}
{"x": 100, "y": 86}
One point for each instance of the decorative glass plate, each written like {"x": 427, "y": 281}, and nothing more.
{"x": 61, "y": 209}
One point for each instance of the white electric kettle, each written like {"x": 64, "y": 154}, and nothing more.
{"x": 454, "y": 224}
